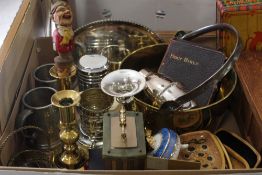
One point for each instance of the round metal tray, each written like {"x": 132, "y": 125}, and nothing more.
{"x": 93, "y": 37}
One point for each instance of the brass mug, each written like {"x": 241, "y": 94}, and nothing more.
{"x": 38, "y": 111}
{"x": 42, "y": 77}
{"x": 93, "y": 104}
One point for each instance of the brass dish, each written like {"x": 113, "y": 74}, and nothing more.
{"x": 226, "y": 154}
{"x": 93, "y": 37}
{"x": 237, "y": 161}
{"x": 150, "y": 58}
{"x": 204, "y": 148}
{"x": 241, "y": 147}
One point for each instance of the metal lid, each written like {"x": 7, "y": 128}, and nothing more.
{"x": 92, "y": 63}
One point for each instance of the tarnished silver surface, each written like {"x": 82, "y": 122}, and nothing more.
{"x": 123, "y": 84}
{"x": 93, "y": 37}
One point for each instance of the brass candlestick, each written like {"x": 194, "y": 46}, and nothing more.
{"x": 71, "y": 157}
{"x": 65, "y": 81}
{"x": 63, "y": 44}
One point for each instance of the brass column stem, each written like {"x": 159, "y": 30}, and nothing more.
{"x": 122, "y": 119}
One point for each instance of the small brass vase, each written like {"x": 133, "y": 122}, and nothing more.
{"x": 71, "y": 157}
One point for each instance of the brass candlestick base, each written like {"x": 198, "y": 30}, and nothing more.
{"x": 65, "y": 80}
{"x": 70, "y": 161}
{"x": 71, "y": 157}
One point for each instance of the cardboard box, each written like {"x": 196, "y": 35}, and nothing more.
{"x": 15, "y": 52}
{"x": 16, "y": 80}
{"x": 42, "y": 53}
{"x": 246, "y": 17}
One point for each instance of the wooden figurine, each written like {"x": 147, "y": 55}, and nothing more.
{"x": 63, "y": 37}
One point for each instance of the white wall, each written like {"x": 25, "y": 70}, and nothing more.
{"x": 180, "y": 14}
{"x": 7, "y": 14}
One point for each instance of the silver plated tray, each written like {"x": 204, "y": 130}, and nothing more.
{"x": 93, "y": 37}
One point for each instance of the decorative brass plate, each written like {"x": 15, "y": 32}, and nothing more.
{"x": 237, "y": 161}
{"x": 239, "y": 148}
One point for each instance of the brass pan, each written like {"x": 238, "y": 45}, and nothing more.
{"x": 203, "y": 117}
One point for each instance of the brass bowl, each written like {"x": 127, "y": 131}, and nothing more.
{"x": 93, "y": 37}
{"x": 243, "y": 154}
{"x": 203, "y": 117}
